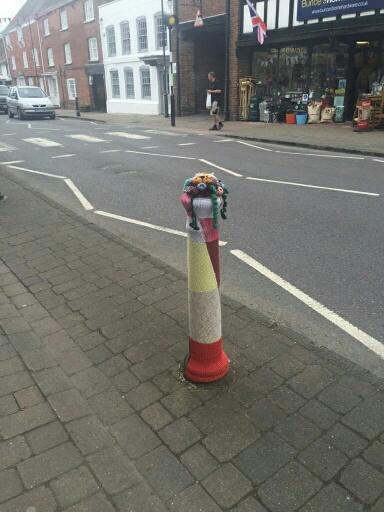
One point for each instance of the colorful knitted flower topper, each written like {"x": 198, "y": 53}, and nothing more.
{"x": 207, "y": 185}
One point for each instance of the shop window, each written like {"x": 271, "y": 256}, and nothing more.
{"x": 329, "y": 66}
{"x": 265, "y": 69}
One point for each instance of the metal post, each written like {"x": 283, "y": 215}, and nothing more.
{"x": 77, "y": 107}
{"x": 165, "y": 82}
{"x": 173, "y": 103}
{"x": 204, "y": 196}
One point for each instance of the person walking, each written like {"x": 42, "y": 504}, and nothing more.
{"x": 216, "y": 92}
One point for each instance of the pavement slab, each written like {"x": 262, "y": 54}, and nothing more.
{"x": 96, "y": 417}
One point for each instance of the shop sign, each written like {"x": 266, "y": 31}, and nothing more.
{"x": 310, "y": 9}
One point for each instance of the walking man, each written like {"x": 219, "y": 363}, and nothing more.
{"x": 216, "y": 92}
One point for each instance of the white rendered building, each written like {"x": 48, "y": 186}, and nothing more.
{"x": 133, "y": 36}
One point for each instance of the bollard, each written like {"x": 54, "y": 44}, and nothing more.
{"x": 77, "y": 107}
{"x": 204, "y": 196}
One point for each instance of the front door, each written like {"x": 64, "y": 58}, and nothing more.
{"x": 53, "y": 90}
{"x": 99, "y": 99}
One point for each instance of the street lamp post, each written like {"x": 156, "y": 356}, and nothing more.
{"x": 165, "y": 72}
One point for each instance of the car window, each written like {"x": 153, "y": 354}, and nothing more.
{"x": 31, "y": 92}
{"x": 4, "y": 90}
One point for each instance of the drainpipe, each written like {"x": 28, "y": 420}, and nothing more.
{"x": 41, "y": 55}
{"x": 227, "y": 47}
{"x": 178, "y": 60}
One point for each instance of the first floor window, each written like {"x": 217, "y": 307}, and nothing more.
{"x": 129, "y": 83}
{"x": 71, "y": 86}
{"x": 161, "y": 32}
{"x": 67, "y": 53}
{"x": 115, "y": 84}
{"x": 89, "y": 13}
{"x": 51, "y": 62}
{"x": 145, "y": 75}
{"x": 13, "y": 62}
{"x": 142, "y": 36}
{"x": 63, "y": 19}
{"x": 93, "y": 49}
{"x": 111, "y": 41}
{"x": 25, "y": 59}
{"x": 36, "y": 57}
{"x": 125, "y": 38}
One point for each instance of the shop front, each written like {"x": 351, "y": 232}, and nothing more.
{"x": 307, "y": 61}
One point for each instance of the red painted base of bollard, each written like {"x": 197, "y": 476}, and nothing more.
{"x": 207, "y": 362}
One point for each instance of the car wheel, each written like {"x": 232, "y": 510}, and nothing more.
{"x": 53, "y": 116}
{"x": 11, "y": 115}
{"x": 20, "y": 115}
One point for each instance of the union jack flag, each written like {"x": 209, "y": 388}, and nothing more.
{"x": 258, "y": 24}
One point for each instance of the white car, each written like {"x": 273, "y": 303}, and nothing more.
{"x": 28, "y": 101}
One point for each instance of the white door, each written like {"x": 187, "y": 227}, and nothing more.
{"x": 53, "y": 90}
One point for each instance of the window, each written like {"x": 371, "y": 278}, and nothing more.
{"x": 161, "y": 32}
{"x": 145, "y": 76}
{"x": 67, "y": 53}
{"x": 19, "y": 31}
{"x": 89, "y": 13}
{"x": 71, "y": 87}
{"x": 129, "y": 83}
{"x": 125, "y": 38}
{"x": 115, "y": 84}
{"x": 46, "y": 31}
{"x": 93, "y": 49}
{"x": 51, "y": 62}
{"x": 25, "y": 59}
{"x": 35, "y": 54}
{"x": 8, "y": 41}
{"x": 13, "y": 62}
{"x": 63, "y": 19}
{"x": 142, "y": 38}
{"x": 111, "y": 41}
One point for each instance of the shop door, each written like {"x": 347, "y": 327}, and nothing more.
{"x": 99, "y": 99}
{"x": 161, "y": 90}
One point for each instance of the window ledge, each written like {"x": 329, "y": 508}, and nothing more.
{"x": 64, "y": 29}
{"x": 68, "y": 63}
{"x": 93, "y": 61}
{"x": 89, "y": 21}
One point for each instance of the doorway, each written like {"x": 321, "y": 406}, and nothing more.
{"x": 99, "y": 100}
{"x": 53, "y": 90}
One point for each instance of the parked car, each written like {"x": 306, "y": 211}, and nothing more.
{"x": 4, "y": 91}
{"x": 29, "y": 101}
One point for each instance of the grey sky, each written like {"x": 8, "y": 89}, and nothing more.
{"x": 8, "y": 8}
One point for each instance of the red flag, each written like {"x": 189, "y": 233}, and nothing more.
{"x": 259, "y": 26}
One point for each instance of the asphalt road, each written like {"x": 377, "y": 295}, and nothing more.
{"x": 315, "y": 246}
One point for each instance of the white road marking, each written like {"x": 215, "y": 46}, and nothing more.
{"x": 63, "y": 156}
{"x": 146, "y": 224}
{"x": 83, "y": 200}
{"x": 93, "y": 122}
{"x": 221, "y": 168}
{"x": 356, "y": 333}
{"x": 187, "y": 144}
{"x": 150, "y": 147}
{"x": 85, "y": 138}
{"x": 253, "y": 146}
{"x": 321, "y": 155}
{"x": 111, "y": 151}
{"x": 44, "y": 143}
{"x": 29, "y": 125}
{"x": 13, "y": 162}
{"x": 224, "y": 140}
{"x": 8, "y": 134}
{"x": 377, "y": 160}
{"x": 161, "y": 132}
{"x": 292, "y": 183}
{"x": 38, "y": 172}
{"x": 158, "y": 154}
{"x": 127, "y": 135}
{"x": 4, "y": 150}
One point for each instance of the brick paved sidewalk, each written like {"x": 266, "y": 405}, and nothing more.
{"x": 94, "y": 416}
{"x": 333, "y": 137}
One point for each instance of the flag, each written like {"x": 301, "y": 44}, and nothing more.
{"x": 199, "y": 20}
{"x": 257, "y": 22}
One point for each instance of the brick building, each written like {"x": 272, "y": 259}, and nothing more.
{"x": 56, "y": 44}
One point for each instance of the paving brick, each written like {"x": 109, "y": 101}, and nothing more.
{"x": 59, "y": 342}
{"x": 46, "y": 437}
{"x": 339, "y": 398}
{"x": 125, "y": 381}
{"x": 213, "y": 415}
{"x": 363, "y": 480}
{"x": 311, "y": 381}
{"x": 45, "y": 326}
{"x": 34, "y": 312}
{"x": 156, "y": 416}
{"x": 139, "y": 499}
{"x": 249, "y": 505}
{"x": 153, "y": 366}
{"x": 114, "y": 470}
{"x": 69, "y": 405}
{"x": 134, "y": 436}
{"x": 11, "y": 366}
{"x": 361, "y": 388}
{"x": 26, "y": 420}
{"x": 289, "y": 488}
{"x": 141, "y": 351}
{"x": 194, "y": 499}
{"x": 179, "y": 435}
{"x": 73, "y": 361}
{"x": 227, "y": 485}
{"x": 99, "y": 354}
{"x": 98, "y": 502}
{"x": 13, "y": 451}
{"x": 8, "y": 311}
{"x": 13, "y": 289}
{"x": 28, "y": 397}
{"x": 319, "y": 414}
{"x": 52, "y": 380}
{"x": 114, "y": 365}
{"x": 38, "y": 360}
{"x": 164, "y": 472}
{"x": 225, "y": 443}
{"x": 10, "y": 484}
{"x": 39, "y": 500}
{"x": 335, "y": 498}
{"x": 143, "y": 395}
{"x": 298, "y": 431}
{"x": 8, "y": 405}
{"x": 74, "y": 486}
{"x": 90, "y": 381}
{"x": 14, "y": 325}
{"x": 265, "y": 414}
{"x": 110, "y": 407}
{"x": 374, "y": 454}
{"x": 7, "y": 352}
{"x": 262, "y": 459}
{"x": 89, "y": 435}
{"x": 378, "y": 507}
{"x": 26, "y": 341}
{"x": 345, "y": 440}
{"x": 287, "y": 399}
{"x": 323, "y": 459}
{"x": 49, "y": 465}
{"x": 181, "y": 402}
{"x": 368, "y": 417}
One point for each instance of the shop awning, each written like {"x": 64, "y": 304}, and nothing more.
{"x": 155, "y": 60}
{"x": 94, "y": 69}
